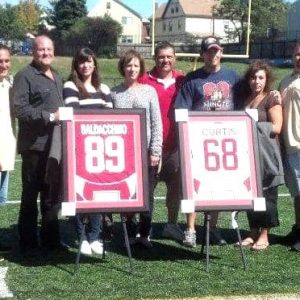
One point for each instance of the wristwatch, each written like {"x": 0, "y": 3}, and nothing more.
{"x": 52, "y": 117}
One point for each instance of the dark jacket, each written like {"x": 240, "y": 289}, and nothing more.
{"x": 35, "y": 96}
{"x": 270, "y": 157}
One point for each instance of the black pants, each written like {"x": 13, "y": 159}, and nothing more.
{"x": 33, "y": 175}
{"x": 170, "y": 174}
{"x": 268, "y": 218}
{"x": 144, "y": 225}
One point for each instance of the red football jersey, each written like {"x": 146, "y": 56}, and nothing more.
{"x": 105, "y": 158}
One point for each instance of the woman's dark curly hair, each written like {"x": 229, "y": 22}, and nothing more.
{"x": 244, "y": 91}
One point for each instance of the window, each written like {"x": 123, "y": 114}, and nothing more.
{"x": 164, "y": 27}
{"x": 226, "y": 26}
{"x": 179, "y": 25}
{"x": 176, "y": 8}
{"x": 126, "y": 20}
{"x": 172, "y": 10}
{"x": 127, "y": 39}
{"x": 107, "y": 5}
{"x": 170, "y": 26}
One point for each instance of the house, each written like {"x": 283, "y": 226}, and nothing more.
{"x": 186, "y": 21}
{"x": 135, "y": 28}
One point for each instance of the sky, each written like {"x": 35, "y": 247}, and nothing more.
{"x": 143, "y": 7}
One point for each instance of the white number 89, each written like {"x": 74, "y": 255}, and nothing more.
{"x": 104, "y": 154}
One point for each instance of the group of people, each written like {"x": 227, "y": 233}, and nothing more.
{"x": 38, "y": 91}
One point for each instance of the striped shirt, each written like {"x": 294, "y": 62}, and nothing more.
{"x": 97, "y": 98}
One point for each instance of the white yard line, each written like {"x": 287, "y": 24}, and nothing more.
{"x": 155, "y": 198}
{"x": 4, "y": 290}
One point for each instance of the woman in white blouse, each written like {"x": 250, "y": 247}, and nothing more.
{"x": 7, "y": 138}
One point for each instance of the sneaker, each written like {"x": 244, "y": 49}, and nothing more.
{"x": 145, "y": 242}
{"x": 215, "y": 237}
{"x": 85, "y": 248}
{"x": 97, "y": 247}
{"x": 172, "y": 231}
{"x": 296, "y": 246}
{"x": 189, "y": 238}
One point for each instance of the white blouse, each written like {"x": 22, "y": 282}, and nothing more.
{"x": 7, "y": 138}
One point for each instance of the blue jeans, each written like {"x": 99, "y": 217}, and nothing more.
{"x": 92, "y": 229}
{"x": 4, "y": 175}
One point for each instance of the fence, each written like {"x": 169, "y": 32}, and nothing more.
{"x": 260, "y": 49}
{"x": 272, "y": 49}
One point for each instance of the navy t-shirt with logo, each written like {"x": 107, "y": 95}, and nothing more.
{"x": 205, "y": 91}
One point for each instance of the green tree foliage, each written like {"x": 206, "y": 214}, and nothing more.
{"x": 29, "y": 14}
{"x": 265, "y": 15}
{"x": 65, "y": 13}
{"x": 100, "y": 34}
{"x": 11, "y": 27}
{"x": 235, "y": 11}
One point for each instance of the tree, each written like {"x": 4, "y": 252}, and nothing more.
{"x": 264, "y": 15}
{"x": 11, "y": 28}
{"x": 65, "y": 13}
{"x": 29, "y": 14}
{"x": 235, "y": 11}
{"x": 100, "y": 34}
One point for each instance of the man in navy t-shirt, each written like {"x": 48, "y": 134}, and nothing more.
{"x": 210, "y": 88}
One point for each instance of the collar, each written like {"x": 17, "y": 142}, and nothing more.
{"x": 6, "y": 82}
{"x": 295, "y": 74}
{"x": 37, "y": 68}
{"x": 153, "y": 74}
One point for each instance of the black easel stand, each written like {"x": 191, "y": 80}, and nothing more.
{"x": 239, "y": 239}
{"x": 205, "y": 239}
{"x": 123, "y": 220}
{"x": 103, "y": 239}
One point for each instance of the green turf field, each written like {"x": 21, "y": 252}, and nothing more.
{"x": 169, "y": 270}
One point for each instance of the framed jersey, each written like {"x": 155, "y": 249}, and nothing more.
{"x": 219, "y": 160}
{"x": 105, "y": 161}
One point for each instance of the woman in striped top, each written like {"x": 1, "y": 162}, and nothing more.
{"x": 84, "y": 90}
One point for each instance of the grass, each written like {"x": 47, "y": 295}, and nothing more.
{"x": 167, "y": 271}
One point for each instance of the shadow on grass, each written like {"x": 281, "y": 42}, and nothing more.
{"x": 40, "y": 257}
{"x": 163, "y": 250}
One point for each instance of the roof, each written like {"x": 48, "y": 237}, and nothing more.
{"x": 195, "y": 7}
{"x": 128, "y": 8}
{"x": 120, "y": 3}
{"x": 160, "y": 11}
